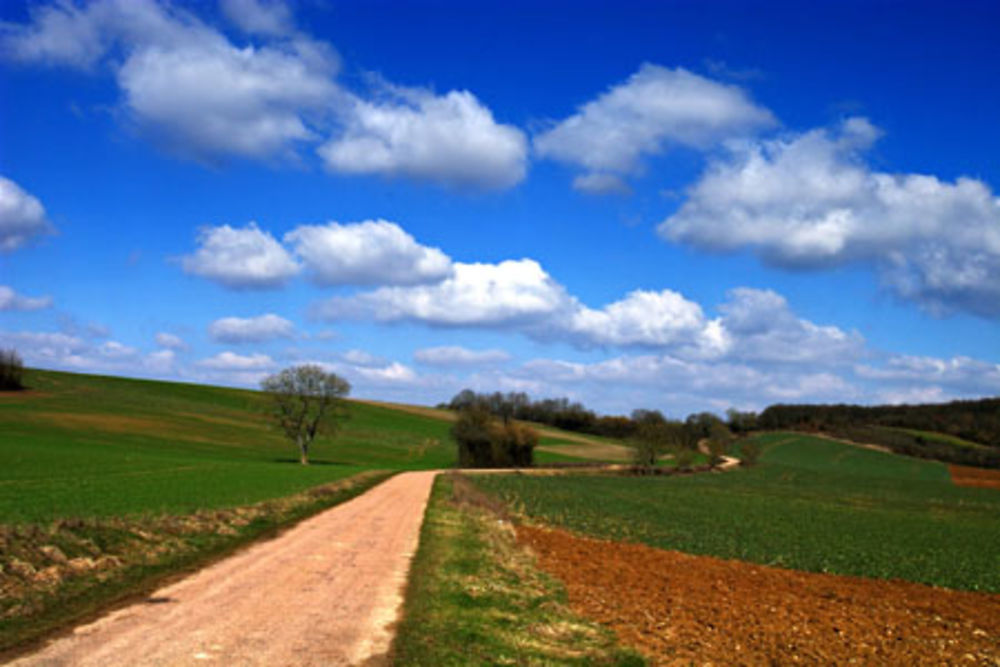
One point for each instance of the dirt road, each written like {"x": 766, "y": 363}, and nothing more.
{"x": 323, "y": 593}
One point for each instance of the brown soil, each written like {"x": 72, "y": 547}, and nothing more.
{"x": 130, "y": 425}
{"x": 596, "y": 451}
{"x": 419, "y": 410}
{"x": 683, "y": 609}
{"x": 101, "y": 422}
{"x": 324, "y": 593}
{"x": 979, "y": 477}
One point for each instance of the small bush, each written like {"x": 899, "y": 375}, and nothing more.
{"x": 11, "y": 370}
{"x": 684, "y": 457}
{"x": 484, "y": 443}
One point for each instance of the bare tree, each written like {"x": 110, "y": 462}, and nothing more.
{"x": 305, "y": 400}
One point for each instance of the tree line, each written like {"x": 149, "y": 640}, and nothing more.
{"x": 905, "y": 429}
{"x": 977, "y": 421}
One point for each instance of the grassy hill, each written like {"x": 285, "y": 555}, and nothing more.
{"x": 83, "y": 445}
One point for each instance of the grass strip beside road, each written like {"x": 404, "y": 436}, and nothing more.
{"x": 70, "y": 570}
{"x": 475, "y": 597}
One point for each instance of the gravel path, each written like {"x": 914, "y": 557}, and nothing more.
{"x": 325, "y": 592}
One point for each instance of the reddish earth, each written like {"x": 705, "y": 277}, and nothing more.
{"x": 678, "y": 608}
{"x": 981, "y": 477}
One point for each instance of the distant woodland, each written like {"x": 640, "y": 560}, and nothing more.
{"x": 963, "y": 432}
{"x": 966, "y": 432}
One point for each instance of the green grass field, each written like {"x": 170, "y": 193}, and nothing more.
{"x": 811, "y": 504}
{"x": 79, "y": 446}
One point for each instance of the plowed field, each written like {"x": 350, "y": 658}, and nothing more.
{"x": 976, "y": 477}
{"x": 679, "y": 608}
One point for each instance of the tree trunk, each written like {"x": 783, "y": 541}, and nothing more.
{"x": 303, "y": 451}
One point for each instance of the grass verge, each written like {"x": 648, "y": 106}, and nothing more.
{"x": 67, "y": 571}
{"x": 475, "y": 597}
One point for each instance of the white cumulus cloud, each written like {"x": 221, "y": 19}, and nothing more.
{"x": 265, "y": 17}
{"x": 654, "y": 109}
{"x": 645, "y": 318}
{"x": 454, "y": 355}
{"x": 170, "y": 341}
{"x": 199, "y": 94}
{"x": 22, "y": 216}
{"x": 373, "y": 252}
{"x": 752, "y": 325}
{"x": 11, "y": 300}
{"x": 760, "y": 325}
{"x": 394, "y": 373}
{"x": 362, "y": 358}
{"x": 811, "y": 202}
{"x": 240, "y": 258}
{"x": 250, "y": 329}
{"x": 962, "y": 375}
{"x": 230, "y": 361}
{"x": 514, "y": 292}
{"x": 450, "y": 139}
{"x": 184, "y": 82}
{"x": 597, "y": 183}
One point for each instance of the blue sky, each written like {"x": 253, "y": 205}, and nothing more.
{"x": 681, "y": 206}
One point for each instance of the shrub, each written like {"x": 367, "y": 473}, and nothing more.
{"x": 11, "y": 370}
{"x": 684, "y": 457}
{"x": 485, "y": 443}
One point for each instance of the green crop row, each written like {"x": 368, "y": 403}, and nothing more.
{"x": 812, "y": 504}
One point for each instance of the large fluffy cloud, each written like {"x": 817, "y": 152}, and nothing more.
{"x": 373, "y": 252}
{"x": 759, "y": 325}
{"x": 644, "y": 318}
{"x": 184, "y": 82}
{"x": 215, "y": 99}
{"x": 511, "y": 293}
{"x": 11, "y": 300}
{"x": 199, "y": 94}
{"x": 655, "y": 108}
{"x": 22, "y": 216}
{"x": 752, "y": 325}
{"x": 250, "y": 329}
{"x": 810, "y": 201}
{"x": 451, "y": 139}
{"x": 240, "y": 258}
